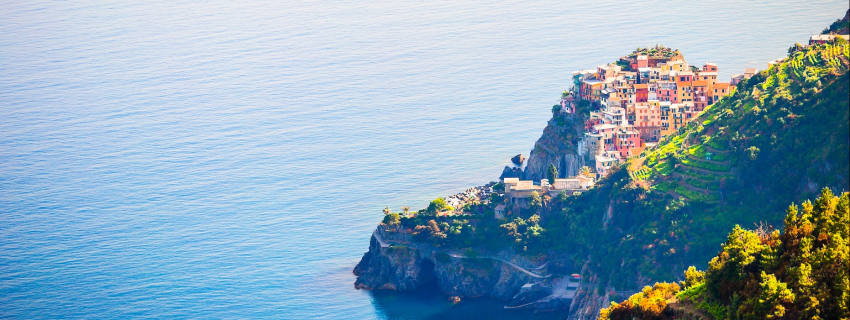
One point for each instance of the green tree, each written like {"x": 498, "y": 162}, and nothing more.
{"x": 391, "y": 218}
{"x": 771, "y": 303}
{"x": 562, "y": 196}
{"x": 438, "y": 205}
{"x": 693, "y": 277}
{"x": 726, "y": 273}
{"x": 552, "y": 173}
{"x": 536, "y": 202}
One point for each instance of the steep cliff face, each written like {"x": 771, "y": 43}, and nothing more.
{"x": 391, "y": 269}
{"x": 406, "y": 268}
{"x": 557, "y": 145}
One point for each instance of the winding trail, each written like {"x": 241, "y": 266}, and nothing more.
{"x": 380, "y": 241}
{"x": 547, "y": 263}
{"x": 532, "y": 274}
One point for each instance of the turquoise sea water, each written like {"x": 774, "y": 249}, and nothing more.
{"x": 218, "y": 159}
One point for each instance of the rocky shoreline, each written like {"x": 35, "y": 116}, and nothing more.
{"x": 393, "y": 262}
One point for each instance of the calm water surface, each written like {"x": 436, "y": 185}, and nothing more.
{"x": 171, "y": 159}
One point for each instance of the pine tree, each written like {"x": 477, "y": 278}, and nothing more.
{"x": 552, "y": 173}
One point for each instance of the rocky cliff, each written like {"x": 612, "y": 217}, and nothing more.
{"x": 557, "y": 145}
{"x": 404, "y": 268}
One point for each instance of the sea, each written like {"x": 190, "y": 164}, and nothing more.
{"x": 230, "y": 159}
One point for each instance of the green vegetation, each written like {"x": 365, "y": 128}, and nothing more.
{"x": 391, "y": 218}
{"x": 438, "y": 205}
{"x": 645, "y": 305}
{"x": 657, "y": 52}
{"x": 779, "y": 137}
{"x": 552, "y": 173}
{"x": 801, "y": 273}
{"x": 524, "y": 232}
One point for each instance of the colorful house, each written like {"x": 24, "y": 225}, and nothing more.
{"x": 641, "y": 93}
{"x": 626, "y": 139}
{"x": 720, "y": 89}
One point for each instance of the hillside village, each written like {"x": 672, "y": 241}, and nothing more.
{"x": 634, "y": 103}
{"x": 641, "y": 99}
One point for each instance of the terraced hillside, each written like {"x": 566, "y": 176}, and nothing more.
{"x": 774, "y": 112}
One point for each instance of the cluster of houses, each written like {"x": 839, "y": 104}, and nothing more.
{"x": 519, "y": 191}
{"x": 640, "y": 99}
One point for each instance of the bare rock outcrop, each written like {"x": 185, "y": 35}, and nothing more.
{"x": 518, "y": 159}
{"x": 557, "y": 145}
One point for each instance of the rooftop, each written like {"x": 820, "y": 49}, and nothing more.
{"x": 828, "y": 37}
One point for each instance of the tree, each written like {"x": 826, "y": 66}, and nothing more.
{"x": 499, "y": 187}
{"x": 536, "y": 202}
{"x": 693, "y": 277}
{"x": 390, "y": 218}
{"x": 772, "y": 302}
{"x": 438, "y": 205}
{"x": 406, "y": 210}
{"x": 430, "y": 231}
{"x": 562, "y": 196}
{"x": 753, "y": 152}
{"x": 647, "y": 304}
{"x": 585, "y": 171}
{"x": 495, "y": 198}
{"x": 671, "y": 157}
{"x": 552, "y": 173}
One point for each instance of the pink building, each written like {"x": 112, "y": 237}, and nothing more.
{"x": 667, "y": 91}
{"x": 626, "y": 139}
{"x": 642, "y": 61}
{"x": 608, "y": 133}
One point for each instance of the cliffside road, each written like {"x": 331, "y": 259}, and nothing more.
{"x": 532, "y": 274}
{"x": 380, "y": 241}
{"x": 546, "y": 264}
